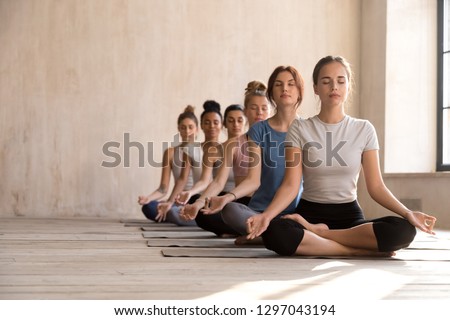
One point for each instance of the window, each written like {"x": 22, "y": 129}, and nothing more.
{"x": 443, "y": 125}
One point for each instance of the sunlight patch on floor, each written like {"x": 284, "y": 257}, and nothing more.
{"x": 267, "y": 290}
{"x": 376, "y": 284}
{"x": 337, "y": 280}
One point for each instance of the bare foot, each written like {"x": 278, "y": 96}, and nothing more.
{"x": 242, "y": 240}
{"x": 314, "y": 228}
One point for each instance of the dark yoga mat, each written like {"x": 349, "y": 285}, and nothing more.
{"x": 219, "y": 252}
{"x": 198, "y": 243}
{"x": 170, "y": 228}
{"x": 178, "y": 234}
{"x": 406, "y": 255}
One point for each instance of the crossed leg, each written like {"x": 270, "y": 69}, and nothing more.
{"x": 314, "y": 245}
{"x": 359, "y": 237}
{"x": 289, "y": 237}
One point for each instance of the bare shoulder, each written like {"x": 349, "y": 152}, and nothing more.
{"x": 169, "y": 152}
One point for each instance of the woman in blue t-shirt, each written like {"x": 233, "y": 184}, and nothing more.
{"x": 266, "y": 149}
{"x": 327, "y": 153}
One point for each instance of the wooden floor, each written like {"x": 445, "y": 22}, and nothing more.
{"x": 104, "y": 259}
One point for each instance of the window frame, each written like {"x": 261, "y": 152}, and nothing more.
{"x": 440, "y": 165}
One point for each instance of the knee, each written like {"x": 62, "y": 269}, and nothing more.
{"x": 200, "y": 219}
{"x": 233, "y": 217}
{"x": 206, "y": 222}
{"x": 283, "y": 236}
{"x": 394, "y": 233}
{"x": 173, "y": 215}
{"x": 150, "y": 210}
{"x": 229, "y": 212}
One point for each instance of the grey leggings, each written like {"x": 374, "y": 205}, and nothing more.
{"x": 173, "y": 216}
{"x": 235, "y": 215}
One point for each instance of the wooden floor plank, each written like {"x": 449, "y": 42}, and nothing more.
{"x": 102, "y": 259}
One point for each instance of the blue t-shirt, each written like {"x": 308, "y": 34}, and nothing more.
{"x": 273, "y": 166}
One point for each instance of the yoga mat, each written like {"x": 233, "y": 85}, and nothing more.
{"x": 169, "y": 228}
{"x": 147, "y": 223}
{"x": 219, "y": 252}
{"x": 407, "y": 255}
{"x": 429, "y": 245}
{"x": 197, "y": 243}
{"x": 136, "y": 221}
{"x": 423, "y": 255}
{"x": 429, "y": 242}
{"x": 178, "y": 234}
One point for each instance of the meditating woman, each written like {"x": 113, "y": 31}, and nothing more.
{"x": 172, "y": 164}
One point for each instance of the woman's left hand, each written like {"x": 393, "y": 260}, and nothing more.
{"x": 256, "y": 225}
{"x": 163, "y": 208}
{"x": 422, "y": 221}
{"x": 183, "y": 198}
{"x": 214, "y": 204}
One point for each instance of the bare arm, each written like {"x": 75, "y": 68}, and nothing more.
{"x": 205, "y": 177}
{"x": 165, "y": 179}
{"x": 381, "y": 194}
{"x": 249, "y": 185}
{"x": 202, "y": 183}
{"x": 164, "y": 207}
{"x": 218, "y": 183}
{"x": 180, "y": 183}
{"x": 190, "y": 211}
{"x": 285, "y": 194}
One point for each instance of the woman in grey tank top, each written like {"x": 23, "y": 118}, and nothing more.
{"x": 172, "y": 163}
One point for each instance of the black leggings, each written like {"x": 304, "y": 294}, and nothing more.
{"x": 284, "y": 235}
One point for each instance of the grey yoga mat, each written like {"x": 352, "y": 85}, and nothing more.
{"x": 408, "y": 255}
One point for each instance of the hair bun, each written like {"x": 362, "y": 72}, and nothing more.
{"x": 255, "y": 87}
{"x": 211, "y": 106}
{"x": 189, "y": 109}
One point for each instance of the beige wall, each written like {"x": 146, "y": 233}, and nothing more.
{"x": 398, "y": 94}
{"x": 76, "y": 74}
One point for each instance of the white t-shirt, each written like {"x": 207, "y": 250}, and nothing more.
{"x": 331, "y": 156}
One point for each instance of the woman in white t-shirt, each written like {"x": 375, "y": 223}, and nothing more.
{"x": 328, "y": 152}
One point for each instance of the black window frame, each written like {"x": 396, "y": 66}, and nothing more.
{"x": 440, "y": 165}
